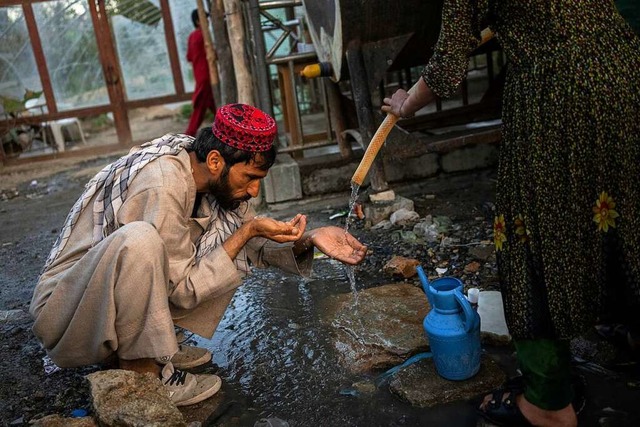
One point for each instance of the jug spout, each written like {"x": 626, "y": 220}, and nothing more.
{"x": 423, "y": 279}
{"x": 426, "y": 286}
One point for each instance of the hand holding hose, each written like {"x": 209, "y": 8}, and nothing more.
{"x": 404, "y": 104}
{"x": 401, "y": 104}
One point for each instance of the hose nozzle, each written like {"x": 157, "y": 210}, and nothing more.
{"x": 320, "y": 69}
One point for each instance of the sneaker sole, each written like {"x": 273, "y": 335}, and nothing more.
{"x": 204, "y": 395}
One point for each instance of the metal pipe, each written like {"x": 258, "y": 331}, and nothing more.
{"x": 293, "y": 148}
{"x": 284, "y": 59}
{"x": 279, "y": 4}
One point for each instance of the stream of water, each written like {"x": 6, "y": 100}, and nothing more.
{"x": 350, "y": 270}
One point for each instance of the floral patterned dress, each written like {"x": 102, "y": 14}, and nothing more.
{"x": 567, "y": 229}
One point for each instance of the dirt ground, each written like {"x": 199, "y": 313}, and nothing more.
{"x": 35, "y": 199}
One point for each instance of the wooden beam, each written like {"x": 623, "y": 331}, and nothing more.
{"x": 235, "y": 28}
{"x": 92, "y": 111}
{"x": 172, "y": 47}
{"x": 150, "y": 102}
{"x": 208, "y": 44}
{"x": 111, "y": 70}
{"x": 451, "y": 117}
{"x": 41, "y": 61}
{"x": 80, "y": 112}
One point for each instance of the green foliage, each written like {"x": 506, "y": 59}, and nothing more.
{"x": 99, "y": 122}
{"x": 185, "y": 111}
{"x": 12, "y": 105}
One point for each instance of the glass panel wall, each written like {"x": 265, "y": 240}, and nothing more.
{"x": 182, "y": 26}
{"x": 19, "y": 79}
{"x": 71, "y": 52}
{"x": 138, "y": 30}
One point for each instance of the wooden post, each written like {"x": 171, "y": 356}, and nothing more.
{"x": 235, "y": 28}
{"x": 259, "y": 55}
{"x": 112, "y": 72}
{"x": 210, "y": 52}
{"x": 337, "y": 115}
{"x": 228, "y": 90}
{"x": 364, "y": 109}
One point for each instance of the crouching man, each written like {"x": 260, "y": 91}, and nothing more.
{"x": 162, "y": 237}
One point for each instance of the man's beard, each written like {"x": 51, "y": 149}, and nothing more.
{"x": 221, "y": 190}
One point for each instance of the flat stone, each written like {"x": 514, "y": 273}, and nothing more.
{"x": 401, "y": 266}
{"x": 493, "y": 326}
{"x": 126, "y": 398}
{"x": 420, "y": 385}
{"x": 383, "y": 196}
{"x": 404, "y": 217}
{"x": 472, "y": 267}
{"x": 382, "y": 330}
{"x": 482, "y": 253}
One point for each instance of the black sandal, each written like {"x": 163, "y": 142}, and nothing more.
{"x": 503, "y": 410}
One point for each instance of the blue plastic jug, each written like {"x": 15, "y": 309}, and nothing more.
{"x": 453, "y": 328}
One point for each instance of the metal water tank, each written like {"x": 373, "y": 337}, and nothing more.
{"x": 392, "y": 34}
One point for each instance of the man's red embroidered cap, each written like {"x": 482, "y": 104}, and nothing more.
{"x": 244, "y": 127}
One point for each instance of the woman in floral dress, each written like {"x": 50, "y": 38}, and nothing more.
{"x": 567, "y": 226}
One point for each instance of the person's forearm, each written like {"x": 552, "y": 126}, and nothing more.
{"x": 238, "y": 239}
{"x": 419, "y": 96}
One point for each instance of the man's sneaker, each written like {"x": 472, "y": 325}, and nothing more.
{"x": 188, "y": 356}
{"x": 185, "y": 388}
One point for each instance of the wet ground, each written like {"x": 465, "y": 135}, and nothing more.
{"x": 272, "y": 350}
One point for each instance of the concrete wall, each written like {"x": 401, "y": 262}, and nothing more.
{"x": 289, "y": 179}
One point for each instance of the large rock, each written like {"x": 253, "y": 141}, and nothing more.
{"x": 126, "y": 398}
{"x": 401, "y": 266}
{"x": 382, "y": 330}
{"x": 420, "y": 384}
{"x": 379, "y": 211}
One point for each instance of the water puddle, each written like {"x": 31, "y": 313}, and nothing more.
{"x": 276, "y": 353}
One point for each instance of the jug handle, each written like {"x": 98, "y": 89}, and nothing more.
{"x": 425, "y": 283}
{"x": 469, "y": 314}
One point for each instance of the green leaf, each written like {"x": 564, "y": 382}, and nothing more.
{"x": 31, "y": 94}
{"x": 12, "y": 105}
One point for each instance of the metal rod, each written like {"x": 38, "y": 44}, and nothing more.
{"x": 300, "y": 56}
{"x": 279, "y": 4}
{"x": 293, "y": 148}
